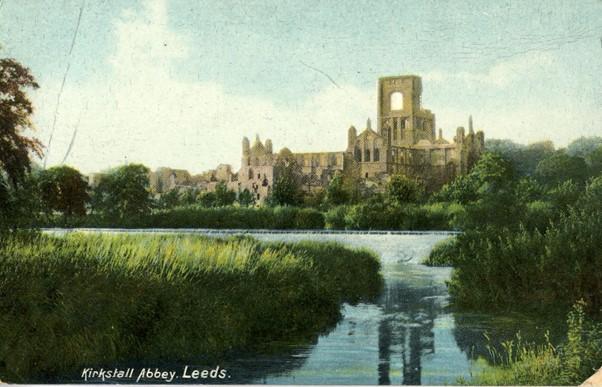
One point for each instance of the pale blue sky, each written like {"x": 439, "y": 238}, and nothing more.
{"x": 150, "y": 80}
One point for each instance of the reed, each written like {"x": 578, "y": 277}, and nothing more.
{"x": 97, "y": 299}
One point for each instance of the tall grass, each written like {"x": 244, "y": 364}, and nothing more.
{"x": 67, "y": 302}
{"x": 572, "y": 362}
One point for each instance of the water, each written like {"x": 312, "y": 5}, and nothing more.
{"x": 409, "y": 335}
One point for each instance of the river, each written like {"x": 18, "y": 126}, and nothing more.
{"x": 410, "y": 335}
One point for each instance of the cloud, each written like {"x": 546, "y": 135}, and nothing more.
{"x": 141, "y": 111}
{"x": 502, "y": 73}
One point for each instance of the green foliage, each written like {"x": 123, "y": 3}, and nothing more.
{"x": 584, "y": 146}
{"x": 246, "y": 198}
{"x": 224, "y": 196}
{"x": 443, "y": 253}
{"x": 461, "y": 190}
{"x": 538, "y": 268}
{"x": 560, "y": 167}
{"x": 286, "y": 190}
{"x": 208, "y": 199}
{"x": 335, "y": 218}
{"x": 169, "y": 199}
{"x": 63, "y": 189}
{"x": 524, "y": 158}
{"x": 571, "y": 363}
{"x": 403, "y": 190}
{"x": 335, "y": 192}
{"x": 123, "y": 193}
{"x": 594, "y": 161}
{"x": 15, "y": 119}
{"x": 103, "y": 299}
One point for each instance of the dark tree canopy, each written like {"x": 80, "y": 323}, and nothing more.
{"x": 124, "y": 192}
{"x": 15, "y": 113}
{"x": 63, "y": 189}
{"x": 287, "y": 184}
{"x": 560, "y": 167}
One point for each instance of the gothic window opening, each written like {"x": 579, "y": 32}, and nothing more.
{"x": 367, "y": 155}
{"x": 358, "y": 154}
{"x": 376, "y": 154}
{"x": 397, "y": 101}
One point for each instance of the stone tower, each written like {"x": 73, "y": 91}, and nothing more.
{"x": 401, "y": 119}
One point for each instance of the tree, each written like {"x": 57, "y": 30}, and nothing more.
{"x": 583, "y": 146}
{"x": 287, "y": 183}
{"x": 246, "y": 198}
{"x": 402, "y": 190}
{"x": 594, "y": 160}
{"x": 224, "y": 196}
{"x": 560, "y": 167}
{"x": 124, "y": 192}
{"x": 169, "y": 199}
{"x": 63, "y": 189}
{"x": 335, "y": 192}
{"x": 15, "y": 112}
{"x": 207, "y": 199}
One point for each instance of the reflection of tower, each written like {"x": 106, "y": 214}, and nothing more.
{"x": 409, "y": 314}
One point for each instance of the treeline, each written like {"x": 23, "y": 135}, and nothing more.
{"x": 531, "y": 234}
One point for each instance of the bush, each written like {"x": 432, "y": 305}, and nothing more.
{"x": 308, "y": 218}
{"x": 443, "y": 253}
{"x": 335, "y": 218}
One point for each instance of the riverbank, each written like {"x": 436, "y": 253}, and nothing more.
{"x": 103, "y": 299}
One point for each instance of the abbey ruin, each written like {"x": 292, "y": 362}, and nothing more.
{"x": 405, "y": 141}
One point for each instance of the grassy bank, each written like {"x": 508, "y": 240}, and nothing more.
{"x": 98, "y": 299}
{"x": 571, "y": 363}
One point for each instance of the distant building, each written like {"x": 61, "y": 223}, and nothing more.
{"x": 405, "y": 141}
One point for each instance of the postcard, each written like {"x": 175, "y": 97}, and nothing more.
{"x": 301, "y": 193}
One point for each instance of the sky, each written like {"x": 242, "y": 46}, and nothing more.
{"x": 178, "y": 83}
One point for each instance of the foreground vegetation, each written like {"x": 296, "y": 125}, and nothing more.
{"x": 571, "y": 363}
{"x": 97, "y": 299}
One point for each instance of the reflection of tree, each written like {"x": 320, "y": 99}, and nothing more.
{"x": 409, "y": 314}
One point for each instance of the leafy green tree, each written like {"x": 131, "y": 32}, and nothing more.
{"x": 560, "y": 167}
{"x": 583, "y": 146}
{"x": 169, "y": 199}
{"x": 335, "y": 192}
{"x": 594, "y": 161}
{"x": 564, "y": 195}
{"x": 15, "y": 113}
{"x": 287, "y": 183}
{"x": 403, "y": 190}
{"x": 208, "y": 199}
{"x": 124, "y": 192}
{"x": 63, "y": 189}
{"x": 462, "y": 189}
{"x": 246, "y": 198}
{"x": 224, "y": 196}
{"x": 492, "y": 172}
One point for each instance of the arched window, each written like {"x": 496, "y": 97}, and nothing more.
{"x": 367, "y": 155}
{"x": 376, "y": 154}
{"x": 250, "y": 174}
{"x": 397, "y": 101}
{"x": 358, "y": 154}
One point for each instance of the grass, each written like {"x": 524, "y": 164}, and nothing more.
{"x": 67, "y": 302}
{"x": 571, "y": 363}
